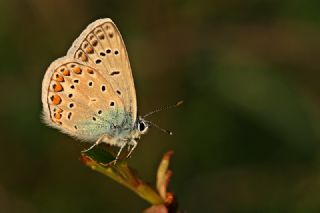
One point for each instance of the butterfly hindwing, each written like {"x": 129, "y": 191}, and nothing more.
{"x": 78, "y": 100}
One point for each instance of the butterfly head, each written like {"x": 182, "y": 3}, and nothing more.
{"x": 142, "y": 125}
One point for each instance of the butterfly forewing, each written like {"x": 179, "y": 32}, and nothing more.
{"x": 101, "y": 45}
{"x": 79, "y": 101}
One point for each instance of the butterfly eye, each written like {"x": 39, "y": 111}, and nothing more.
{"x": 141, "y": 126}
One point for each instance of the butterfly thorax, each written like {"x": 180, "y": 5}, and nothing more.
{"x": 123, "y": 134}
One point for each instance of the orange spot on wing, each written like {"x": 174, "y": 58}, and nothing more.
{"x": 57, "y": 115}
{"x": 59, "y": 110}
{"x": 57, "y": 87}
{"x": 77, "y": 70}
{"x": 56, "y": 99}
{"x": 90, "y": 71}
{"x": 84, "y": 57}
{"x": 66, "y": 72}
{"x": 59, "y": 78}
{"x": 89, "y": 50}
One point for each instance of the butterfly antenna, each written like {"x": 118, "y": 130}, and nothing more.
{"x": 161, "y": 129}
{"x": 162, "y": 109}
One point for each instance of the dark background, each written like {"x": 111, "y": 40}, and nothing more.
{"x": 246, "y": 140}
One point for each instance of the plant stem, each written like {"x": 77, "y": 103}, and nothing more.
{"x": 121, "y": 173}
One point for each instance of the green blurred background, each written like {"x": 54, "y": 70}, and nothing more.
{"x": 246, "y": 140}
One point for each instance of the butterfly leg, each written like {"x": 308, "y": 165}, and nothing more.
{"x": 95, "y": 144}
{"x": 119, "y": 152}
{"x": 134, "y": 144}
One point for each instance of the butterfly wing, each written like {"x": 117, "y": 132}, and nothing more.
{"x": 78, "y": 100}
{"x": 101, "y": 45}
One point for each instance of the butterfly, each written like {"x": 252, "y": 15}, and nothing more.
{"x": 89, "y": 94}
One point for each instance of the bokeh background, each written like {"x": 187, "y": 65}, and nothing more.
{"x": 246, "y": 140}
